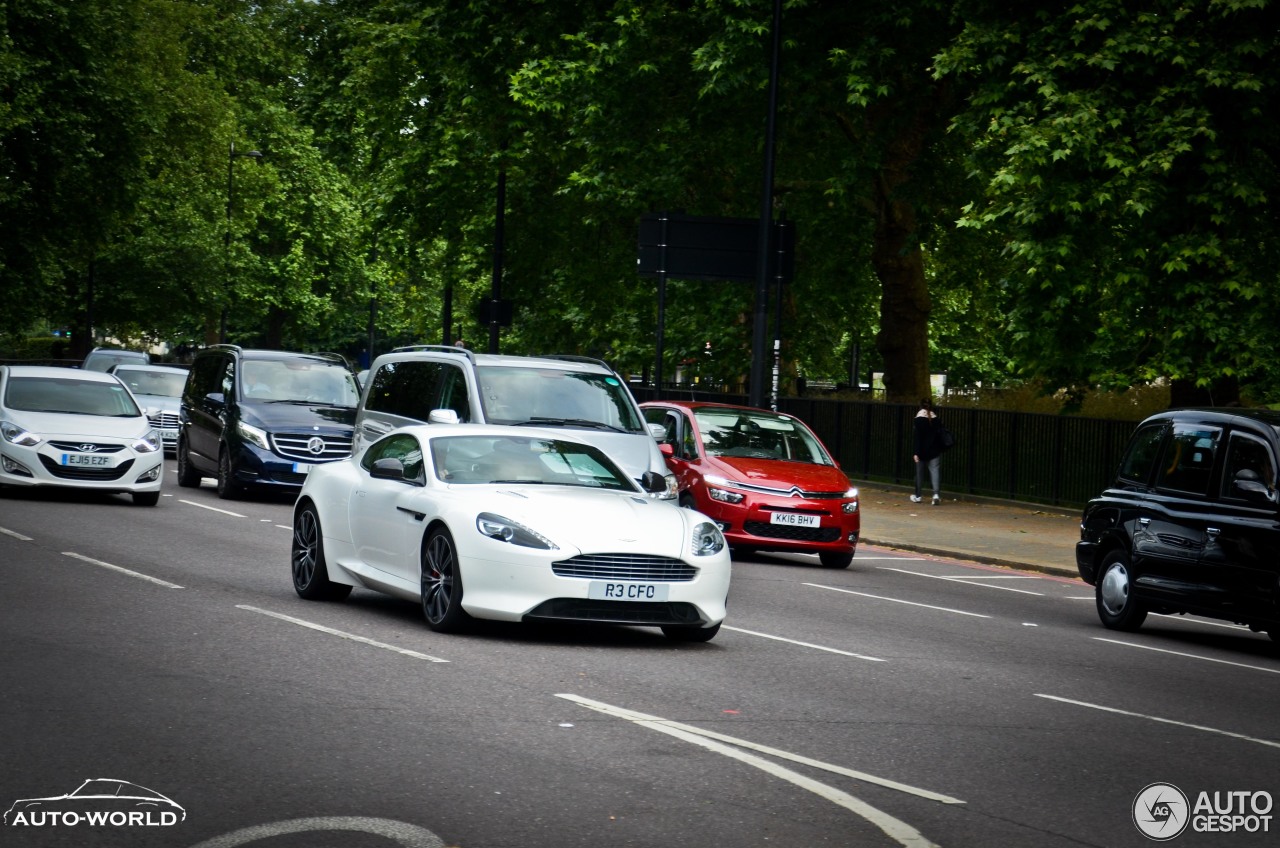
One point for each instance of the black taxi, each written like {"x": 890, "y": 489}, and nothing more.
{"x": 1191, "y": 523}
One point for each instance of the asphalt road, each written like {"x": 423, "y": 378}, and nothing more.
{"x": 909, "y": 700}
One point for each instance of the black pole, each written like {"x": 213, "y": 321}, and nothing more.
{"x": 226, "y": 237}
{"x": 760, "y": 328}
{"x": 662, "y": 305}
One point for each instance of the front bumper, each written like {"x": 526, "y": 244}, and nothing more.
{"x": 751, "y": 524}
{"x": 114, "y": 467}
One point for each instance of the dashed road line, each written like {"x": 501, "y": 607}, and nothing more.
{"x": 137, "y": 574}
{"x": 1188, "y": 726}
{"x": 343, "y": 634}
{"x": 896, "y": 600}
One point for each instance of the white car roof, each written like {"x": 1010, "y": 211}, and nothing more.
{"x": 497, "y": 359}
{"x": 53, "y": 372}
{"x": 426, "y": 432}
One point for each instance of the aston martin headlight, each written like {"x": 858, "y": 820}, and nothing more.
{"x": 254, "y": 435}
{"x": 18, "y": 436}
{"x": 707, "y": 539}
{"x": 149, "y": 443}
{"x": 506, "y": 530}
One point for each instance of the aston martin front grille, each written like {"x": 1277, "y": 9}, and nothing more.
{"x": 626, "y": 567}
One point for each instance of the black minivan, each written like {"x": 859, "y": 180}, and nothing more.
{"x": 1191, "y": 523}
{"x": 260, "y": 419}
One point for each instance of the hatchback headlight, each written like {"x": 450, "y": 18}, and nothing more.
{"x": 850, "y": 507}
{"x": 149, "y": 443}
{"x": 16, "y": 435}
{"x": 707, "y": 539}
{"x": 506, "y": 530}
{"x": 253, "y": 435}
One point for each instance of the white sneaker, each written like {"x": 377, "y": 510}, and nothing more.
{"x": 937, "y": 500}
{"x": 916, "y": 499}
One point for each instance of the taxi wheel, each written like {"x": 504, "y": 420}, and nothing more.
{"x": 833, "y": 560}
{"x": 188, "y": 476}
{"x": 1117, "y": 607}
{"x": 690, "y": 634}
{"x": 228, "y": 489}
{"x": 310, "y": 574}
{"x": 442, "y": 583}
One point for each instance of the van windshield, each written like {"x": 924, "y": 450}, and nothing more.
{"x": 550, "y": 396}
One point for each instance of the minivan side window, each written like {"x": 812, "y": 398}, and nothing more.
{"x": 1141, "y": 456}
{"x": 1248, "y": 458}
{"x": 453, "y": 393}
{"x": 1188, "y": 459}
{"x": 408, "y": 389}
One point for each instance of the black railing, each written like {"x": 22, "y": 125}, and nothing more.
{"x": 1059, "y": 460}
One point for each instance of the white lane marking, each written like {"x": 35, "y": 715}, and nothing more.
{"x": 801, "y": 644}
{"x": 342, "y": 634}
{"x": 1171, "y": 616}
{"x": 974, "y": 577}
{"x": 1266, "y": 742}
{"x": 1081, "y": 598}
{"x": 407, "y": 835}
{"x": 15, "y": 534}
{"x": 896, "y": 829}
{"x": 140, "y": 576}
{"x": 1189, "y": 656}
{"x": 212, "y": 508}
{"x": 284, "y": 526}
{"x": 861, "y": 558}
{"x": 896, "y": 600}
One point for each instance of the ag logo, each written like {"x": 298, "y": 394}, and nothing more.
{"x": 1161, "y": 811}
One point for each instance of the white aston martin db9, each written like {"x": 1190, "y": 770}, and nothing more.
{"x": 512, "y": 524}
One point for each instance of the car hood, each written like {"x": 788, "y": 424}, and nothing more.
{"x": 779, "y": 474}
{"x": 163, "y": 403}
{"x": 635, "y": 453}
{"x": 592, "y": 520}
{"x": 275, "y": 416}
{"x": 63, "y": 424}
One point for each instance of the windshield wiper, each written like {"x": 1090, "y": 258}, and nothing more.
{"x": 522, "y": 482}
{"x": 569, "y": 422}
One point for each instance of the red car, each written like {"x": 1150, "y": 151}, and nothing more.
{"x": 763, "y": 476}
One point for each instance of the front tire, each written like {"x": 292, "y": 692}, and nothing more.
{"x": 442, "y": 584}
{"x": 310, "y": 573}
{"x": 690, "y": 634}
{"x": 1117, "y": 607}
{"x": 228, "y": 489}
{"x": 188, "y": 476}
{"x": 834, "y": 560}
{"x": 146, "y": 498}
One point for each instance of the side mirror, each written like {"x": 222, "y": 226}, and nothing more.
{"x": 658, "y": 431}
{"x": 387, "y": 468}
{"x": 653, "y": 482}
{"x": 216, "y": 399}
{"x": 667, "y": 449}
{"x": 442, "y": 416}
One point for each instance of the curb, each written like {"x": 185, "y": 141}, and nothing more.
{"x": 1053, "y": 570}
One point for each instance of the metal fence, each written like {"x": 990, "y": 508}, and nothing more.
{"x": 1058, "y": 460}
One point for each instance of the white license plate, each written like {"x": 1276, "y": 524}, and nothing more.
{"x": 626, "y": 590}
{"x": 301, "y": 468}
{"x": 87, "y": 460}
{"x": 168, "y": 435}
{"x": 795, "y": 519}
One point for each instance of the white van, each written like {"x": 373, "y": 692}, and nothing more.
{"x": 586, "y": 395}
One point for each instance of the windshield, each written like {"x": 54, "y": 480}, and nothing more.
{"x": 759, "y": 435}
{"x": 299, "y": 381}
{"x": 159, "y": 383}
{"x": 554, "y": 396}
{"x": 519, "y": 459}
{"x": 70, "y": 396}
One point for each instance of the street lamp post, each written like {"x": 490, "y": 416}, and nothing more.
{"x": 226, "y": 238}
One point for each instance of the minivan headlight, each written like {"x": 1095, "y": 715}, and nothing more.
{"x": 253, "y": 435}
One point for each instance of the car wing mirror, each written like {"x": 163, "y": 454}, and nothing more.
{"x": 216, "y": 399}
{"x": 653, "y": 482}
{"x": 387, "y": 468}
{"x": 658, "y": 431}
{"x": 667, "y": 449}
{"x": 442, "y": 416}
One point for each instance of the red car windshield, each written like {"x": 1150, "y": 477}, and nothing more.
{"x": 758, "y": 435}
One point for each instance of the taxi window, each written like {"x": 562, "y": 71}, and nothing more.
{"x": 1188, "y": 459}
{"x": 1140, "y": 459}
{"x": 1248, "y": 458}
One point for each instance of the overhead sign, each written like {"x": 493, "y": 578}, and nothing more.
{"x": 705, "y": 248}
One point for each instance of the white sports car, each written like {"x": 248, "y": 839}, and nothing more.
{"x": 514, "y": 524}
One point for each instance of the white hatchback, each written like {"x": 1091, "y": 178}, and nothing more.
{"x": 508, "y": 523}
{"x": 71, "y": 428}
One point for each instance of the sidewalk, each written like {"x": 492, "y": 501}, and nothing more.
{"x": 1019, "y": 535}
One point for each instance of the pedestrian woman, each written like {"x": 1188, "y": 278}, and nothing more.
{"x": 927, "y": 447}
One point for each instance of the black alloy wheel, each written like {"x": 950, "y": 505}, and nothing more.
{"x": 442, "y": 583}
{"x": 310, "y": 573}
{"x": 188, "y": 476}
{"x": 228, "y": 488}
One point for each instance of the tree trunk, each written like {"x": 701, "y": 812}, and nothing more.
{"x": 903, "y": 340}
